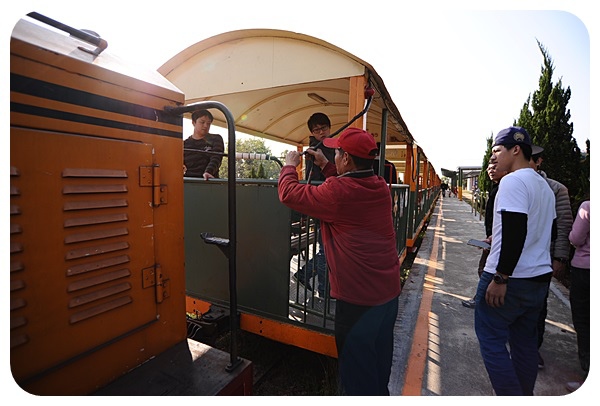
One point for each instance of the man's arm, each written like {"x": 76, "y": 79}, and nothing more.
{"x": 514, "y": 231}
{"x": 561, "y": 246}
{"x": 215, "y": 160}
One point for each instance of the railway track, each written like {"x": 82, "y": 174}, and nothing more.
{"x": 284, "y": 370}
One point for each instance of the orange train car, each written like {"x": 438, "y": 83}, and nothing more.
{"x": 108, "y": 262}
{"x": 270, "y": 83}
{"x": 97, "y": 285}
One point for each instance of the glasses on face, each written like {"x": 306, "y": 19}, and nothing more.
{"x": 318, "y": 130}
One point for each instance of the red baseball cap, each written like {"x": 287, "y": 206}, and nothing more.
{"x": 354, "y": 141}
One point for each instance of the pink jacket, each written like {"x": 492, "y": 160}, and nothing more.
{"x": 580, "y": 237}
{"x": 358, "y": 235}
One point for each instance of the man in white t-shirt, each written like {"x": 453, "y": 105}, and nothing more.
{"x": 513, "y": 286}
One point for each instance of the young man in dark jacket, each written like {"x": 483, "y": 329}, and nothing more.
{"x": 319, "y": 126}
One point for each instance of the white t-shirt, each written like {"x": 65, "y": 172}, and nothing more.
{"x": 525, "y": 191}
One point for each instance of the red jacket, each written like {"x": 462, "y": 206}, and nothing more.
{"x": 358, "y": 234}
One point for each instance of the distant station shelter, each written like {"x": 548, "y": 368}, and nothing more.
{"x": 464, "y": 175}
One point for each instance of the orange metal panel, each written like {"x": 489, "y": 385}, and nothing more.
{"x": 74, "y": 82}
{"x": 90, "y": 247}
{"x": 196, "y": 306}
{"x": 290, "y": 334}
{"x": 80, "y": 259}
{"x": 274, "y": 330}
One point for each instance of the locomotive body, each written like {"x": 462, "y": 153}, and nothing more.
{"x": 96, "y": 198}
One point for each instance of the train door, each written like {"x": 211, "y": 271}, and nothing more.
{"x": 83, "y": 272}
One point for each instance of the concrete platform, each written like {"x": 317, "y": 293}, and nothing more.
{"x": 437, "y": 351}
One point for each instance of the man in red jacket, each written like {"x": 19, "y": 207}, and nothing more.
{"x": 355, "y": 209}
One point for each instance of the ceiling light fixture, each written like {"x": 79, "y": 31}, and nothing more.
{"x": 318, "y": 99}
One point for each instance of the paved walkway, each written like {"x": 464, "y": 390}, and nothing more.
{"x": 437, "y": 353}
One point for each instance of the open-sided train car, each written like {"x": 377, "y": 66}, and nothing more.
{"x": 108, "y": 247}
{"x": 271, "y": 83}
{"x": 97, "y": 284}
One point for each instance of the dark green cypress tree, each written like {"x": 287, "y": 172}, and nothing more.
{"x": 485, "y": 183}
{"x": 584, "y": 179}
{"x": 261, "y": 171}
{"x": 547, "y": 119}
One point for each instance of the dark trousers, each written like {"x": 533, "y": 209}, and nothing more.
{"x": 542, "y": 320}
{"x": 364, "y": 337}
{"x": 512, "y": 370}
{"x": 580, "y": 312}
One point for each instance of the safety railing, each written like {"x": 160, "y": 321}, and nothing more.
{"x": 273, "y": 244}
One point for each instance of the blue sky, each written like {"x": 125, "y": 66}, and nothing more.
{"x": 457, "y": 75}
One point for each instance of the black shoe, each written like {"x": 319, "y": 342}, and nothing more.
{"x": 295, "y": 277}
{"x": 540, "y": 361}
{"x": 469, "y": 303}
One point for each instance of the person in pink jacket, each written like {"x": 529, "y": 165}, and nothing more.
{"x": 580, "y": 287}
{"x": 355, "y": 209}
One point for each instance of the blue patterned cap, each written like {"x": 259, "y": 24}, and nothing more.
{"x": 512, "y": 136}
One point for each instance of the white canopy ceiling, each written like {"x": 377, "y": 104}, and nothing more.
{"x": 273, "y": 80}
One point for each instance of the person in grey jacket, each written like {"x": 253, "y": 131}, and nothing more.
{"x": 560, "y": 247}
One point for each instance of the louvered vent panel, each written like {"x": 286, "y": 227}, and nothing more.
{"x": 96, "y": 238}
{"x": 82, "y": 234}
{"x": 18, "y": 335}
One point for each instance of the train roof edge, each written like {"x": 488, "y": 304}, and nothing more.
{"x": 53, "y": 41}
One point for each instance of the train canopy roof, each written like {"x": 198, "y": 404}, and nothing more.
{"x": 273, "y": 80}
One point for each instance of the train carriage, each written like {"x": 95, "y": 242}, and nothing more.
{"x": 272, "y": 81}
{"x": 112, "y": 257}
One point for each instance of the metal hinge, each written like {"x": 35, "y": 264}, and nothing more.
{"x": 150, "y": 177}
{"x": 153, "y": 276}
